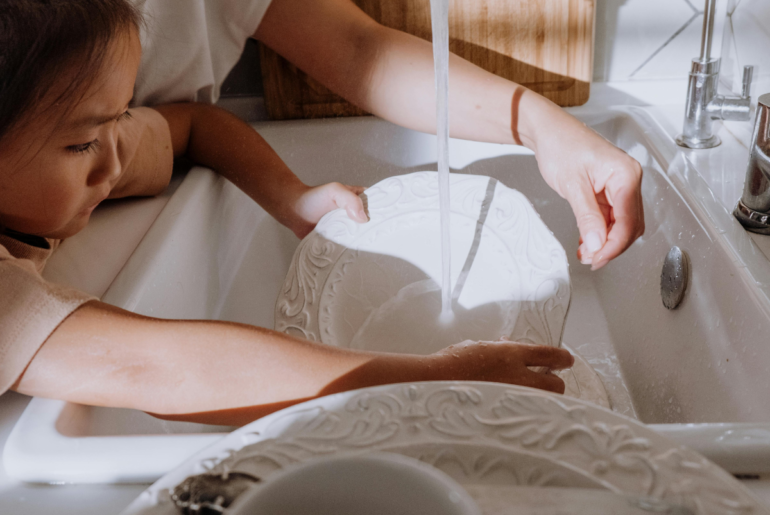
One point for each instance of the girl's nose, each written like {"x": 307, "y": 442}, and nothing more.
{"x": 107, "y": 167}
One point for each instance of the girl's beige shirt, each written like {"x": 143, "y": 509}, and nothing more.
{"x": 31, "y": 308}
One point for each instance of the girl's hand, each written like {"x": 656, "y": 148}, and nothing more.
{"x": 502, "y": 362}
{"x": 312, "y": 203}
{"x": 217, "y": 139}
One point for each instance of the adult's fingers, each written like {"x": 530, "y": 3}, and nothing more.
{"x": 628, "y": 224}
{"x": 590, "y": 220}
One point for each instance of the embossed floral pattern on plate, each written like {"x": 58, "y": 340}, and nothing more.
{"x": 343, "y": 272}
{"x": 479, "y": 433}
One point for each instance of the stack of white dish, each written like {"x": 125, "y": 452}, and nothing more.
{"x": 488, "y": 437}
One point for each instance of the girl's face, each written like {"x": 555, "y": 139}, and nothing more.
{"x": 55, "y": 169}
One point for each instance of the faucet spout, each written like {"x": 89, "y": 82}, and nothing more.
{"x": 753, "y": 209}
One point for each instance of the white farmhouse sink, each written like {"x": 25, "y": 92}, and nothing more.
{"x": 212, "y": 253}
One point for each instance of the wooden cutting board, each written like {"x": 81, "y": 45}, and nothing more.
{"x": 545, "y": 45}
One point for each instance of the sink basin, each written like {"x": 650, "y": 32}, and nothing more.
{"x": 697, "y": 373}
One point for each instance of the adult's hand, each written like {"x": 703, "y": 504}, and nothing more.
{"x": 601, "y": 182}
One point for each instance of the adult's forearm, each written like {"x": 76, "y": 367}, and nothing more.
{"x": 482, "y": 106}
{"x": 390, "y": 73}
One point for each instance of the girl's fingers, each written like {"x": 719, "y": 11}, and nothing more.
{"x": 347, "y": 199}
{"x": 543, "y": 381}
{"x": 355, "y": 189}
{"x": 547, "y": 356}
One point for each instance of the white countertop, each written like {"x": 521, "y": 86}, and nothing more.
{"x": 120, "y": 225}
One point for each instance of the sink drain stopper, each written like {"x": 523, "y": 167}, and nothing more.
{"x": 673, "y": 277}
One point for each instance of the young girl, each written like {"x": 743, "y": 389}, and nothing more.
{"x": 68, "y": 140}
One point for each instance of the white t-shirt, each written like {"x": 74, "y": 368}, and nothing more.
{"x": 190, "y": 46}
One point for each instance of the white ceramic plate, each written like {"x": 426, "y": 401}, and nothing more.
{"x": 376, "y": 285}
{"x": 478, "y": 433}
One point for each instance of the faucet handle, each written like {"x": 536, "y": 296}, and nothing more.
{"x": 748, "y": 74}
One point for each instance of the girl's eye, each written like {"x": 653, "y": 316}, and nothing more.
{"x": 84, "y": 147}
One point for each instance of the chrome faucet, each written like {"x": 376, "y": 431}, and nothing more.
{"x": 753, "y": 209}
{"x": 704, "y": 105}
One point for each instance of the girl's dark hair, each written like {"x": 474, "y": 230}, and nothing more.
{"x": 42, "y": 39}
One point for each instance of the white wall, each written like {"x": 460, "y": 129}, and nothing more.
{"x": 747, "y": 41}
{"x": 657, "y": 39}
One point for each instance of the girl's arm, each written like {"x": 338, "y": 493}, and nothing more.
{"x": 104, "y": 356}
{"x": 390, "y": 74}
{"x": 214, "y": 138}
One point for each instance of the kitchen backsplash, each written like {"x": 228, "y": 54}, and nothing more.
{"x": 657, "y": 39}
{"x": 747, "y": 40}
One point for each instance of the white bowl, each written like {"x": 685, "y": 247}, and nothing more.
{"x": 371, "y": 484}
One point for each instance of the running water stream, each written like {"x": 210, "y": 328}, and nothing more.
{"x": 422, "y": 311}
{"x": 439, "y": 12}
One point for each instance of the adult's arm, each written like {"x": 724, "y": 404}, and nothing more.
{"x": 390, "y": 74}
{"x": 104, "y": 356}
